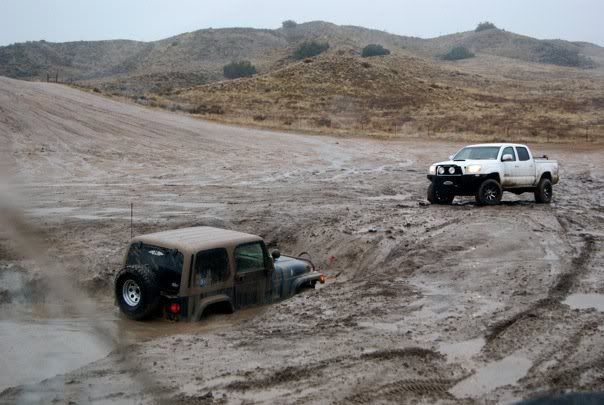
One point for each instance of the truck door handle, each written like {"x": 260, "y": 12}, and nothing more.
{"x": 240, "y": 277}
{"x": 516, "y": 167}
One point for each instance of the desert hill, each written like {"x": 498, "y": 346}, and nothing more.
{"x": 515, "y": 86}
{"x": 131, "y": 67}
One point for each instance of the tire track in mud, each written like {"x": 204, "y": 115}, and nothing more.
{"x": 435, "y": 386}
{"x": 558, "y": 292}
{"x": 395, "y": 391}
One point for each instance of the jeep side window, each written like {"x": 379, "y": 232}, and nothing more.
{"x": 249, "y": 257}
{"x": 211, "y": 266}
{"x": 509, "y": 151}
{"x": 523, "y": 154}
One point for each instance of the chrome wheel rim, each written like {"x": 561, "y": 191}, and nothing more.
{"x": 490, "y": 194}
{"x": 547, "y": 192}
{"x": 131, "y": 293}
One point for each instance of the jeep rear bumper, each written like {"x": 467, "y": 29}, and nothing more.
{"x": 464, "y": 184}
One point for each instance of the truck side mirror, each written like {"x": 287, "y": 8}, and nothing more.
{"x": 451, "y": 157}
{"x": 275, "y": 254}
{"x": 507, "y": 158}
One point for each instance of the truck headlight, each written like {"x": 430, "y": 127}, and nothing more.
{"x": 441, "y": 170}
{"x": 432, "y": 169}
{"x": 451, "y": 170}
{"x": 473, "y": 169}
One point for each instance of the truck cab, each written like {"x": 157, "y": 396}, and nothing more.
{"x": 487, "y": 170}
{"x": 180, "y": 273}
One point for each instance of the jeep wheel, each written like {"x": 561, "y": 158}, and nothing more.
{"x": 438, "y": 197}
{"x": 489, "y": 193}
{"x": 137, "y": 292}
{"x": 544, "y": 191}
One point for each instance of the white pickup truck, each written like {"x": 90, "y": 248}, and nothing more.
{"x": 487, "y": 170}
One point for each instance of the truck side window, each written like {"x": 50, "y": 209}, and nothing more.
{"x": 249, "y": 257}
{"x": 509, "y": 151}
{"x": 523, "y": 154}
{"x": 211, "y": 266}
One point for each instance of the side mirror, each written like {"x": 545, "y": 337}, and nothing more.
{"x": 507, "y": 158}
{"x": 275, "y": 254}
{"x": 451, "y": 157}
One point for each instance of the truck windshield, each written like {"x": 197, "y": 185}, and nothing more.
{"x": 155, "y": 258}
{"x": 478, "y": 153}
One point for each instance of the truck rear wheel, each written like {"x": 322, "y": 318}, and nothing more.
{"x": 544, "y": 191}
{"x": 438, "y": 197}
{"x": 137, "y": 292}
{"x": 489, "y": 193}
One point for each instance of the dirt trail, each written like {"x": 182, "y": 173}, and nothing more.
{"x": 431, "y": 302}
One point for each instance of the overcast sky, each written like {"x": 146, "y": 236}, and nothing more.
{"x": 72, "y": 20}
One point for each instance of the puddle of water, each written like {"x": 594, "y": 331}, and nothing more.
{"x": 494, "y": 375}
{"x": 33, "y": 351}
{"x": 389, "y": 327}
{"x": 185, "y": 204}
{"x": 35, "y": 347}
{"x": 42, "y": 212}
{"x": 585, "y": 301}
{"x": 459, "y": 351}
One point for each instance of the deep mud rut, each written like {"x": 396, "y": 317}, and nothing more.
{"x": 424, "y": 304}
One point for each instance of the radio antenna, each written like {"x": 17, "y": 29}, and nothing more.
{"x": 131, "y": 226}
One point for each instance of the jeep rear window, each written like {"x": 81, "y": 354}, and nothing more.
{"x": 478, "y": 153}
{"x": 154, "y": 257}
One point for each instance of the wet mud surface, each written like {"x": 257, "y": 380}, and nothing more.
{"x": 424, "y": 304}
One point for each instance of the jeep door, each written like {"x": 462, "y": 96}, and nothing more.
{"x": 525, "y": 167}
{"x": 509, "y": 168}
{"x": 252, "y": 274}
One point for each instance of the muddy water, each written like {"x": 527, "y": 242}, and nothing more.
{"x": 585, "y": 301}
{"x": 35, "y": 348}
{"x": 496, "y": 374}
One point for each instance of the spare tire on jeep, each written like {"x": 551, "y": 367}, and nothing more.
{"x": 137, "y": 292}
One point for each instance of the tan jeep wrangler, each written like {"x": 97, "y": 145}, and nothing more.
{"x": 181, "y": 273}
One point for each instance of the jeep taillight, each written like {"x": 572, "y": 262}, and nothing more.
{"x": 174, "y": 308}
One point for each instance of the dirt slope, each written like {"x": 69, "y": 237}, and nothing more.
{"x": 429, "y": 303}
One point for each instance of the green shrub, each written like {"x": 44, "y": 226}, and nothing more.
{"x": 309, "y": 49}
{"x": 289, "y": 24}
{"x": 555, "y": 54}
{"x": 243, "y": 68}
{"x": 457, "y": 53}
{"x": 374, "y": 50}
{"x": 483, "y": 26}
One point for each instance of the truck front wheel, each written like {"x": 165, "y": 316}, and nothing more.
{"x": 436, "y": 196}
{"x": 544, "y": 191}
{"x": 489, "y": 193}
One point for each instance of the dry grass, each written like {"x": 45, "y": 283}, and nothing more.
{"x": 399, "y": 95}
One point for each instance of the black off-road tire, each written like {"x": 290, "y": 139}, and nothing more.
{"x": 544, "y": 191}
{"x": 435, "y": 197}
{"x": 137, "y": 292}
{"x": 489, "y": 192}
